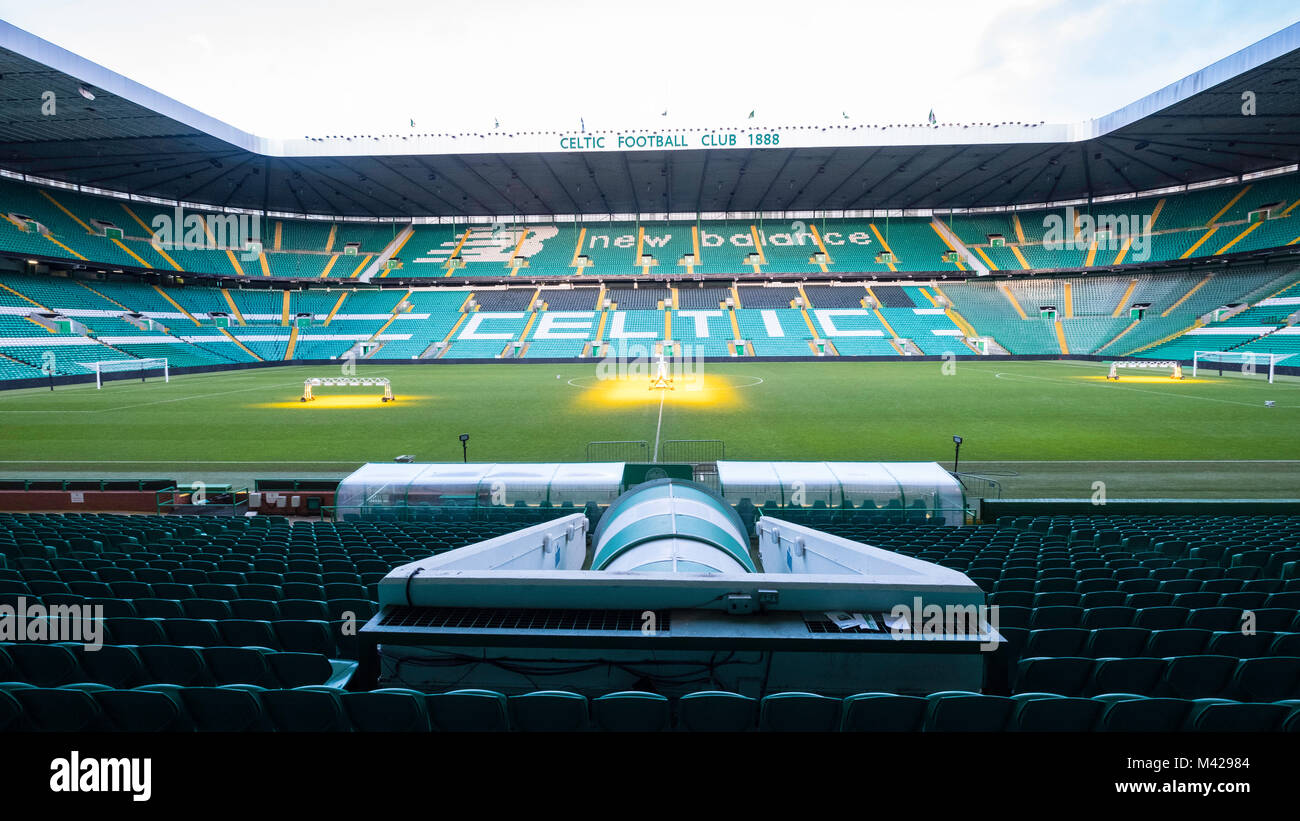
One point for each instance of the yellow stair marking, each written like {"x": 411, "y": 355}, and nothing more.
{"x": 102, "y": 296}
{"x": 676, "y": 302}
{"x": 668, "y": 324}
{"x": 284, "y": 309}
{"x": 361, "y": 267}
{"x": 883, "y": 244}
{"x": 64, "y": 247}
{"x": 985, "y": 257}
{"x": 1119, "y": 257}
{"x": 1024, "y": 263}
{"x": 1124, "y": 300}
{"x": 279, "y": 225}
{"x": 1239, "y": 237}
{"x": 600, "y": 328}
{"x": 266, "y": 267}
{"x": 954, "y": 315}
{"x": 45, "y": 328}
{"x": 1127, "y": 328}
{"x": 383, "y": 327}
{"x": 1198, "y": 286}
{"x": 1155, "y": 212}
{"x": 293, "y": 342}
{"x": 1197, "y": 244}
{"x": 166, "y": 256}
{"x": 1020, "y": 231}
{"x": 134, "y": 255}
{"x": 1289, "y": 209}
{"x": 71, "y": 215}
{"x": 148, "y": 232}
{"x": 241, "y": 345}
{"x": 326, "y": 272}
{"x": 234, "y": 309}
{"x": 397, "y": 251}
{"x": 230, "y": 255}
{"x": 821, "y": 246}
{"x": 1060, "y": 337}
{"x": 958, "y": 263}
{"x": 808, "y": 320}
{"x": 735, "y": 295}
{"x": 735, "y": 325}
{"x": 1012, "y": 299}
{"x": 1198, "y": 323}
{"x": 888, "y": 327}
{"x": 758, "y": 244}
{"x": 335, "y": 309}
{"x": 178, "y": 307}
{"x": 1092, "y": 254}
{"x": 1231, "y": 203}
{"x": 536, "y": 294}
{"x": 527, "y": 327}
{"x": 577, "y": 248}
{"x": 640, "y": 240}
{"x": 329, "y": 241}
{"x": 1069, "y": 300}
{"x": 695, "y": 243}
{"x": 926, "y": 294}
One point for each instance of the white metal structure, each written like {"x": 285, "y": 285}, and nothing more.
{"x": 331, "y": 381}
{"x": 1250, "y": 361}
{"x": 142, "y": 366}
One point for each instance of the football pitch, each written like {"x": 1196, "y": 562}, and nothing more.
{"x": 1041, "y": 429}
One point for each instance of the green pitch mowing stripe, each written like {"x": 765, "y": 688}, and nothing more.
{"x": 250, "y": 421}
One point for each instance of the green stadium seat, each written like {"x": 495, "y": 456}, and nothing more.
{"x": 1066, "y": 676}
{"x": 1204, "y": 676}
{"x": 305, "y": 710}
{"x": 44, "y": 665}
{"x": 11, "y": 713}
{"x": 139, "y": 711}
{"x": 468, "y": 711}
{"x": 1050, "y": 714}
{"x": 717, "y": 711}
{"x": 549, "y": 711}
{"x": 966, "y": 712}
{"x": 799, "y": 712}
{"x": 1131, "y": 713}
{"x": 631, "y": 711}
{"x": 53, "y": 710}
{"x": 1142, "y": 676}
{"x": 1275, "y": 678}
{"x": 387, "y": 710}
{"x": 1212, "y": 715}
{"x": 882, "y": 712}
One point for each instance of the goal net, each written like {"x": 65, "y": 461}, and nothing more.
{"x": 1247, "y": 363}
{"x": 144, "y": 368}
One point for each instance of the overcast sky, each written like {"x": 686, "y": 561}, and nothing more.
{"x": 326, "y": 67}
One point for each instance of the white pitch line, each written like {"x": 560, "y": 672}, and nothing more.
{"x": 659, "y": 426}
{"x": 148, "y": 404}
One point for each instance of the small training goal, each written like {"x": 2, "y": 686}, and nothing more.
{"x": 309, "y": 386}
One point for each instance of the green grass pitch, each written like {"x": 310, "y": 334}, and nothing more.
{"x": 1046, "y": 428}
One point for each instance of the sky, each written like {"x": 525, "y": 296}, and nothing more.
{"x": 326, "y": 67}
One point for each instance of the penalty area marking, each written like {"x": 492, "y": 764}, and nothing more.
{"x": 1108, "y": 386}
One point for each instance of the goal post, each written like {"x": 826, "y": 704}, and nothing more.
{"x": 144, "y": 367}
{"x": 1250, "y": 362}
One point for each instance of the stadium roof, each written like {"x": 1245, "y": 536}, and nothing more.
{"x": 108, "y": 132}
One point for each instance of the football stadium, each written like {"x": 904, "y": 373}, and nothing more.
{"x": 916, "y": 428}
